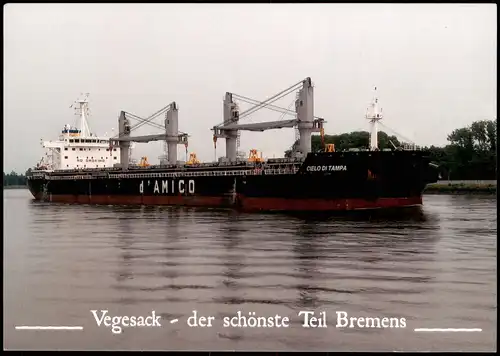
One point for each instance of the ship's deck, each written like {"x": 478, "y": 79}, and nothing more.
{"x": 218, "y": 168}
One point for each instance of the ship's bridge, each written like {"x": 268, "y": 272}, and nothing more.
{"x": 71, "y": 132}
{"x": 81, "y": 152}
{"x": 78, "y": 148}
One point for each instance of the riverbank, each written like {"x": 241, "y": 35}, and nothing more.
{"x": 461, "y": 188}
{"x": 15, "y": 187}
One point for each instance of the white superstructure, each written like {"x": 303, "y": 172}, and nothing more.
{"x": 78, "y": 147}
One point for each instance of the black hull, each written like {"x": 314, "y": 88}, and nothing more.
{"x": 323, "y": 182}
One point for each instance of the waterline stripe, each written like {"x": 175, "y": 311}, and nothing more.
{"x": 49, "y": 327}
{"x": 447, "y": 330}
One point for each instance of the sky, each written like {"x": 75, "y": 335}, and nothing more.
{"x": 434, "y": 66}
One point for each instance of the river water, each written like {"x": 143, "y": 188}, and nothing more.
{"x": 435, "y": 268}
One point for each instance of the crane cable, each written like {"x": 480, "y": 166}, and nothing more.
{"x": 268, "y": 101}
{"x": 140, "y": 119}
{"x": 271, "y": 107}
{"x": 259, "y": 105}
{"x": 156, "y": 114}
{"x": 397, "y": 134}
{"x": 143, "y": 121}
{"x": 153, "y": 124}
{"x": 289, "y": 106}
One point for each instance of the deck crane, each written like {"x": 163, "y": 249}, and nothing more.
{"x": 305, "y": 120}
{"x": 172, "y": 136}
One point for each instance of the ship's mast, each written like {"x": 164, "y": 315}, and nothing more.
{"x": 82, "y": 110}
{"x": 374, "y": 114}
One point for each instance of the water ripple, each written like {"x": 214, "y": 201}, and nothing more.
{"x": 437, "y": 268}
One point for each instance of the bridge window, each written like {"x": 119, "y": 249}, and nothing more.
{"x": 65, "y": 157}
{"x": 73, "y": 148}
{"x": 114, "y": 157}
{"x": 81, "y": 149}
{"x": 71, "y": 141}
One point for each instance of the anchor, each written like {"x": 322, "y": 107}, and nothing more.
{"x": 45, "y": 192}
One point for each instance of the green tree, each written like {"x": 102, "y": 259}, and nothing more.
{"x": 13, "y": 178}
{"x": 473, "y": 151}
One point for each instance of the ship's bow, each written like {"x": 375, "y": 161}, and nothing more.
{"x": 35, "y": 183}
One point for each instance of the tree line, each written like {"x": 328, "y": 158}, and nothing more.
{"x": 12, "y": 178}
{"x": 469, "y": 155}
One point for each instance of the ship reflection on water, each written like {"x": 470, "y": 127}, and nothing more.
{"x": 308, "y": 260}
{"x": 412, "y": 213}
{"x": 232, "y": 258}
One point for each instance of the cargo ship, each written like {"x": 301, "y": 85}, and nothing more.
{"x": 81, "y": 167}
